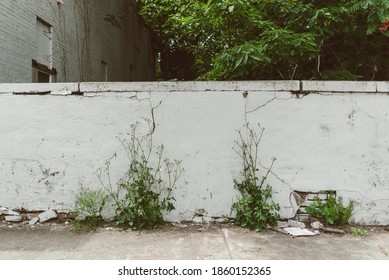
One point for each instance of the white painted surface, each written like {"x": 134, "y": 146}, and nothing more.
{"x": 38, "y": 88}
{"x": 52, "y": 146}
{"x": 339, "y": 86}
{"x": 383, "y": 87}
{"x": 190, "y": 86}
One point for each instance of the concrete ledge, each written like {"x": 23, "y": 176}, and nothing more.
{"x": 194, "y": 86}
{"x": 339, "y": 86}
{"x": 53, "y": 88}
{"x": 191, "y": 86}
{"x": 383, "y": 87}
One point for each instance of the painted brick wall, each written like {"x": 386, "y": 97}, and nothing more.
{"x": 77, "y": 54}
{"x": 325, "y": 136}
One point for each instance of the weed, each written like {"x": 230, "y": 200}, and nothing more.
{"x": 87, "y": 207}
{"x": 358, "y": 231}
{"x": 255, "y": 209}
{"x": 333, "y": 210}
{"x": 143, "y": 195}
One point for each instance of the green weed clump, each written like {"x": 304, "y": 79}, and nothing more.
{"x": 358, "y": 231}
{"x": 87, "y": 206}
{"x": 333, "y": 211}
{"x": 255, "y": 209}
{"x": 145, "y": 193}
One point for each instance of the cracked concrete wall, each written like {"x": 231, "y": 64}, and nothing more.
{"x": 325, "y": 136}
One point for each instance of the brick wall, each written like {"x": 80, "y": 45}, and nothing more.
{"x": 115, "y": 36}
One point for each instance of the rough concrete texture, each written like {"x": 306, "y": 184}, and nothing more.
{"x": 47, "y": 215}
{"x": 33, "y": 221}
{"x": 322, "y": 140}
{"x": 190, "y": 86}
{"x": 339, "y": 86}
{"x": 382, "y": 87}
{"x": 194, "y": 242}
{"x": 38, "y": 88}
{"x": 13, "y": 218}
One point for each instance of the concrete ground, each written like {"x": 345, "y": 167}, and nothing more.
{"x": 189, "y": 242}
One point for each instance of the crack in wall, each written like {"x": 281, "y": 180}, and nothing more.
{"x": 302, "y": 94}
{"x": 106, "y": 94}
{"x": 265, "y": 104}
{"x": 153, "y": 108}
{"x": 275, "y": 97}
{"x": 152, "y": 115}
{"x": 283, "y": 181}
{"x": 261, "y": 106}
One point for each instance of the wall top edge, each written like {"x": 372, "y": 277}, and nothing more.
{"x": 38, "y": 88}
{"x": 198, "y": 86}
{"x": 192, "y": 86}
{"x": 339, "y": 86}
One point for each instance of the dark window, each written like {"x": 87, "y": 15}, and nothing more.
{"x": 42, "y": 74}
{"x": 43, "y": 77}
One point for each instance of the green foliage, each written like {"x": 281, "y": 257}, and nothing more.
{"x": 340, "y": 75}
{"x": 143, "y": 195}
{"x": 87, "y": 207}
{"x": 333, "y": 210}
{"x": 375, "y": 11}
{"x": 272, "y": 39}
{"x": 255, "y": 209}
{"x": 358, "y": 231}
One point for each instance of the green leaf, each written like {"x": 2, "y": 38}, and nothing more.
{"x": 238, "y": 61}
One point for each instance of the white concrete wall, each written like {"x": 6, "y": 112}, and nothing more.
{"x": 325, "y": 136}
{"x": 81, "y": 39}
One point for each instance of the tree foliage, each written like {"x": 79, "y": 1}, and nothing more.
{"x": 270, "y": 39}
